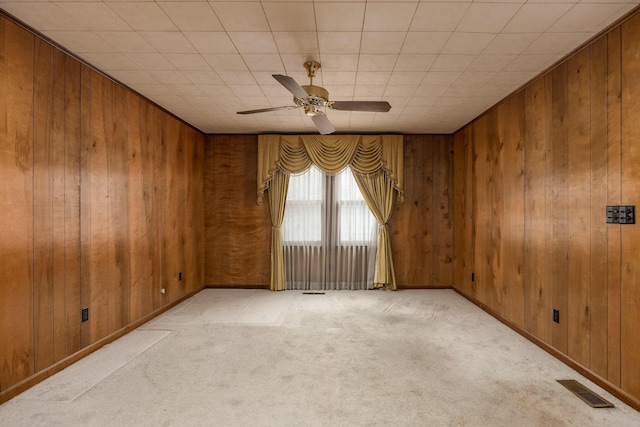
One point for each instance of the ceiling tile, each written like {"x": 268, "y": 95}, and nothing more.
{"x": 536, "y": 18}
{"x": 487, "y": 17}
{"x": 377, "y": 62}
{"x": 400, "y": 90}
{"x": 414, "y": 62}
{"x": 80, "y": 41}
{"x": 373, "y": 78}
{"x": 440, "y": 78}
{"x": 339, "y": 78}
{"x": 110, "y": 61}
{"x": 170, "y": 77}
{"x": 250, "y": 90}
{"x": 211, "y": 42}
{"x": 511, "y": 77}
{"x": 550, "y": 43}
{"x": 241, "y": 16}
{"x": 237, "y": 77}
{"x": 510, "y": 44}
{"x": 339, "y": 62}
{"x": 584, "y": 17}
{"x": 475, "y": 77}
{"x": 143, "y": 16}
{"x": 487, "y": 62}
{"x": 459, "y": 89}
{"x": 339, "y": 42}
{"x": 337, "y": 91}
{"x": 382, "y": 42}
{"x": 263, "y": 61}
{"x": 339, "y": 16}
{"x": 126, "y": 41}
{"x": 407, "y": 77}
{"x": 430, "y": 91}
{"x": 48, "y": 16}
{"x": 438, "y": 16}
{"x": 188, "y": 61}
{"x": 425, "y": 42}
{"x": 151, "y": 61}
{"x": 532, "y": 63}
{"x": 423, "y": 101}
{"x": 452, "y": 62}
{"x": 252, "y": 42}
{"x": 95, "y": 16}
{"x": 371, "y": 91}
{"x": 467, "y": 43}
{"x": 192, "y": 16}
{"x": 388, "y": 16}
{"x": 215, "y": 90}
{"x": 203, "y": 77}
{"x": 168, "y": 42}
{"x": 287, "y": 16}
{"x": 293, "y": 42}
{"x": 225, "y": 61}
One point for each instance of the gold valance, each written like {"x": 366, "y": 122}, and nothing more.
{"x": 366, "y": 154}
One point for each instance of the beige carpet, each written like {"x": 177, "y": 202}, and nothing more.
{"x": 363, "y": 358}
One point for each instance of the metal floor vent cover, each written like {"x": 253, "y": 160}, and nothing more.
{"x": 589, "y": 397}
{"x": 313, "y": 293}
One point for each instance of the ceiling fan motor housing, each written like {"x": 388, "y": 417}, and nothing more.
{"x": 318, "y": 96}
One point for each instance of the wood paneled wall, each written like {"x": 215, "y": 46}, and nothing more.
{"x": 238, "y": 230}
{"x": 532, "y": 178}
{"x": 422, "y": 227}
{"x": 100, "y": 206}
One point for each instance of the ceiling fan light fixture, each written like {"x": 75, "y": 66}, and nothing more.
{"x": 312, "y": 98}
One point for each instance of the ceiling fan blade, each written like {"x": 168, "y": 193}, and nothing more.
{"x": 265, "y": 110}
{"x": 291, "y": 85}
{"x": 323, "y": 124}
{"x": 373, "y": 106}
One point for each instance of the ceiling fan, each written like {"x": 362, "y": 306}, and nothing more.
{"x": 314, "y": 97}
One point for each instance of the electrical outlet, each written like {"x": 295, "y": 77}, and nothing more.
{"x": 180, "y": 276}
{"x": 473, "y": 277}
{"x": 85, "y": 314}
{"x": 556, "y": 315}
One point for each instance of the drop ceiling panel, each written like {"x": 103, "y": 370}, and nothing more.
{"x": 192, "y": 16}
{"x": 438, "y": 63}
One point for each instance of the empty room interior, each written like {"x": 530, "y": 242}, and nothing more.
{"x": 318, "y": 212}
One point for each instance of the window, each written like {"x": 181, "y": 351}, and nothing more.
{"x": 329, "y": 233}
{"x": 357, "y": 223}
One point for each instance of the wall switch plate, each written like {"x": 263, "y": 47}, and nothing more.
{"x": 621, "y": 214}
{"x": 627, "y": 214}
{"x": 556, "y": 315}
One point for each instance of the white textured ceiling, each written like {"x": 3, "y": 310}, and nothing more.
{"x": 438, "y": 63}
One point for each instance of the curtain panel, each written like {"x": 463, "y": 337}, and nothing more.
{"x": 377, "y": 164}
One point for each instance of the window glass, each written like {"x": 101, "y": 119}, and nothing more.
{"x": 303, "y": 210}
{"x": 357, "y": 223}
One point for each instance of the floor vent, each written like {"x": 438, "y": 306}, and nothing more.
{"x": 587, "y": 396}
{"x": 313, "y": 293}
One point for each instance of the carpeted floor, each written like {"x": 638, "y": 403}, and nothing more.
{"x": 365, "y": 358}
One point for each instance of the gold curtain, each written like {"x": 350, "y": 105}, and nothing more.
{"x": 377, "y": 191}
{"x": 277, "y": 198}
{"x": 377, "y": 163}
